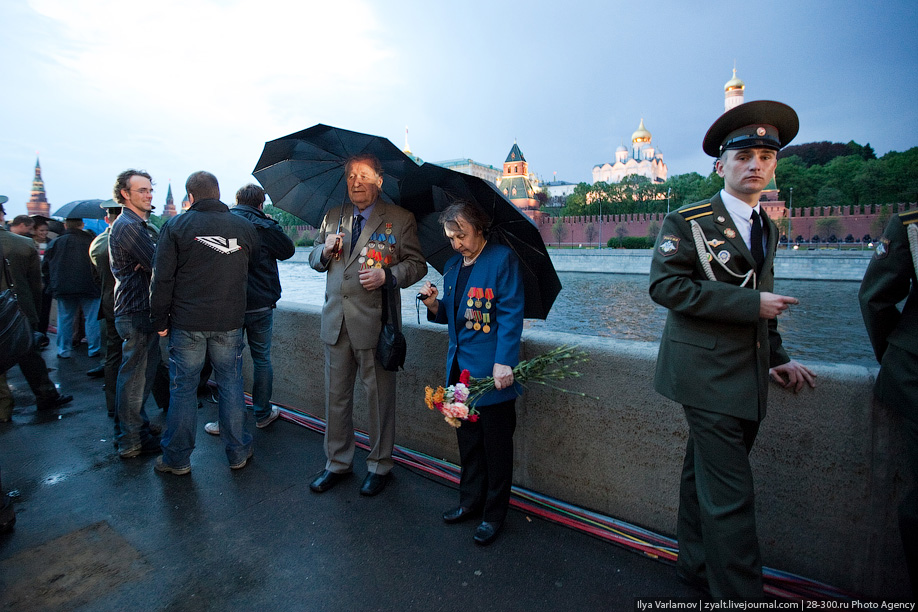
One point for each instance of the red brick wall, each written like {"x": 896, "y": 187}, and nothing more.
{"x": 803, "y": 223}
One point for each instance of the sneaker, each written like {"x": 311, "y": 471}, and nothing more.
{"x": 243, "y": 463}
{"x": 164, "y": 468}
{"x": 150, "y": 447}
{"x": 213, "y": 428}
{"x": 268, "y": 419}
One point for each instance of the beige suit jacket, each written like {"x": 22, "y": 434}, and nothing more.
{"x": 346, "y": 301}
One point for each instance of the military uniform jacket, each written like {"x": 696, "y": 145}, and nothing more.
{"x": 715, "y": 352}
{"x": 25, "y": 269}
{"x": 346, "y": 301}
{"x": 889, "y": 279}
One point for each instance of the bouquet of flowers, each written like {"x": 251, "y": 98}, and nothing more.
{"x": 457, "y": 402}
{"x": 451, "y": 401}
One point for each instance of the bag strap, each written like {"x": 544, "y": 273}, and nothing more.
{"x": 389, "y": 295}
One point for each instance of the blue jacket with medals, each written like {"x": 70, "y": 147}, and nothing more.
{"x": 497, "y": 268}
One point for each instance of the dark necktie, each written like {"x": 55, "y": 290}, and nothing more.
{"x": 755, "y": 240}
{"x": 358, "y": 226}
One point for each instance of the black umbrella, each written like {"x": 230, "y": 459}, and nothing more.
{"x": 304, "y": 172}
{"x": 81, "y": 209}
{"x": 430, "y": 189}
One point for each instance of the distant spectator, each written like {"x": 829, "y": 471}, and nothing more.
{"x": 41, "y": 237}
{"x": 73, "y": 285}
{"x": 22, "y": 225}
{"x": 263, "y": 291}
{"x": 25, "y": 271}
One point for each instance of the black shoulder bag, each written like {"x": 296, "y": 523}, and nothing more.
{"x": 391, "y": 347}
{"x": 15, "y": 329}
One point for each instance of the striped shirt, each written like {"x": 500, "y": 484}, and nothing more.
{"x": 130, "y": 246}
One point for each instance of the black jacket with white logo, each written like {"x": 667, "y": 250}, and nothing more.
{"x": 200, "y": 269}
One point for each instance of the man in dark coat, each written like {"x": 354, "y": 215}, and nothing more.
{"x": 198, "y": 299}
{"x": 263, "y": 290}
{"x": 26, "y": 274}
{"x": 73, "y": 285}
{"x": 889, "y": 279}
{"x": 713, "y": 268}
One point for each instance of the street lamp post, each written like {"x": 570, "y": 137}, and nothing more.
{"x": 790, "y": 214}
{"x": 668, "y": 191}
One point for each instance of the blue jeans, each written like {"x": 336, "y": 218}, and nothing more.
{"x": 66, "y": 312}
{"x": 258, "y": 329}
{"x": 187, "y": 352}
{"x": 139, "y": 357}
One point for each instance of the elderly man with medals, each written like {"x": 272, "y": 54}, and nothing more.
{"x": 361, "y": 245}
{"x": 713, "y": 269}
{"x": 483, "y": 300}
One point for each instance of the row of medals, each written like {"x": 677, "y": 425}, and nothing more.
{"x": 374, "y": 254}
{"x": 476, "y": 319}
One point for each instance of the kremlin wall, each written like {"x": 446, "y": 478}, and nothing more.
{"x": 859, "y": 222}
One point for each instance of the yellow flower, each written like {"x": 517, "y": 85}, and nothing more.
{"x": 428, "y": 397}
{"x": 454, "y": 422}
{"x": 439, "y": 395}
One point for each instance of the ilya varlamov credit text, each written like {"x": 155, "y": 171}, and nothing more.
{"x": 673, "y": 604}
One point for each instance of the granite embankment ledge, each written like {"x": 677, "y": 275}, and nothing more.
{"x": 829, "y": 465}
{"x": 825, "y": 264}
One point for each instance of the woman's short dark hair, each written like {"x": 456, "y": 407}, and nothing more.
{"x": 250, "y": 195}
{"x": 124, "y": 182}
{"x": 469, "y": 212}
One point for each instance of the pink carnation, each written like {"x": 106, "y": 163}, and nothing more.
{"x": 456, "y": 410}
{"x": 460, "y": 392}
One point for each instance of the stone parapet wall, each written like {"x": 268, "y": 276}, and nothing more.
{"x": 829, "y": 466}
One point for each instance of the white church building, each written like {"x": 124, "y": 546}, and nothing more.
{"x": 643, "y": 159}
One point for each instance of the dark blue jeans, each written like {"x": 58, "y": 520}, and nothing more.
{"x": 139, "y": 357}
{"x": 258, "y": 329}
{"x": 187, "y": 352}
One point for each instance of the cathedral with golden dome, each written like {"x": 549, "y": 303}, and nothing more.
{"x": 643, "y": 159}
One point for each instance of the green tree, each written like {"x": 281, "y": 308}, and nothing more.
{"x": 828, "y": 227}
{"x": 878, "y": 226}
{"x": 559, "y": 231}
{"x": 589, "y": 232}
{"x": 282, "y": 217}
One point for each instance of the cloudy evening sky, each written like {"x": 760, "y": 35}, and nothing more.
{"x": 174, "y": 86}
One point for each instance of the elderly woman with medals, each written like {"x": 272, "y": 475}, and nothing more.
{"x": 482, "y": 305}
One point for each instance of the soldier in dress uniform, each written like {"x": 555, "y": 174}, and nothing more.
{"x": 713, "y": 268}
{"x": 889, "y": 279}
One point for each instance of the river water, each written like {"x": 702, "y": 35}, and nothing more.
{"x": 826, "y": 326}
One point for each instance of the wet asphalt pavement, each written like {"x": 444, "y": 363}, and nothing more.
{"x": 95, "y": 532}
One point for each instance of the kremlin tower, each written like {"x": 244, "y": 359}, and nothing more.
{"x": 169, "y": 210}
{"x": 38, "y": 201}
{"x": 515, "y": 183}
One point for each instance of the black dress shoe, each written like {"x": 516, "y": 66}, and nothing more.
{"x": 51, "y": 404}
{"x": 487, "y": 532}
{"x": 373, "y": 484}
{"x": 457, "y": 515}
{"x": 96, "y": 372}
{"x": 326, "y": 480}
